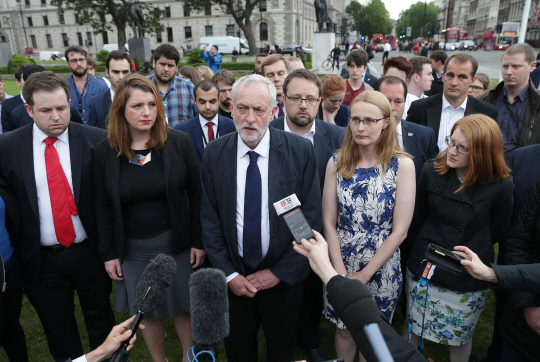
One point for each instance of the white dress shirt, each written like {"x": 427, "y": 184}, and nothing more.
{"x": 242, "y": 163}
{"x": 46, "y": 222}
{"x": 399, "y": 131}
{"x": 410, "y": 98}
{"x": 204, "y": 127}
{"x": 310, "y": 135}
{"x": 449, "y": 117}
{"x": 112, "y": 95}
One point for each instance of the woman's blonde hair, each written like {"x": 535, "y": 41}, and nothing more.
{"x": 119, "y": 136}
{"x": 486, "y": 152}
{"x": 205, "y": 71}
{"x": 387, "y": 145}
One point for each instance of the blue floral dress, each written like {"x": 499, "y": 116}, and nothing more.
{"x": 365, "y": 215}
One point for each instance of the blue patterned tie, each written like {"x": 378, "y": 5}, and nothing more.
{"x": 252, "y": 213}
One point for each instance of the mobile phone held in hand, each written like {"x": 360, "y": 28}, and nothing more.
{"x": 289, "y": 208}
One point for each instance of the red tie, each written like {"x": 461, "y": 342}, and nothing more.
{"x": 280, "y": 113}
{"x": 62, "y": 201}
{"x": 210, "y": 126}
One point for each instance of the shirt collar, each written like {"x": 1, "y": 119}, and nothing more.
{"x": 446, "y": 104}
{"x": 39, "y": 136}
{"x": 287, "y": 129}
{"x": 112, "y": 95}
{"x": 22, "y": 98}
{"x": 204, "y": 121}
{"x": 263, "y": 148}
{"x": 522, "y": 95}
{"x": 399, "y": 129}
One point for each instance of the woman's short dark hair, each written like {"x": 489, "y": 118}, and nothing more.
{"x": 119, "y": 136}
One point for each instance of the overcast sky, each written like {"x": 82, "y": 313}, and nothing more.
{"x": 395, "y": 7}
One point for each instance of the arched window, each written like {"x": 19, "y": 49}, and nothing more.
{"x": 263, "y": 30}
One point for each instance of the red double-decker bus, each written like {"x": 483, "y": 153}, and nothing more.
{"x": 463, "y": 35}
{"x": 390, "y": 39}
{"x": 377, "y": 39}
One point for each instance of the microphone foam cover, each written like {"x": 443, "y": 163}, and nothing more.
{"x": 157, "y": 275}
{"x": 209, "y": 306}
{"x": 359, "y": 308}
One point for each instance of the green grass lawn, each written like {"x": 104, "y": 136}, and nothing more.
{"x": 11, "y": 88}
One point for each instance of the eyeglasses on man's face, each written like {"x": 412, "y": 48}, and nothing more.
{"x": 355, "y": 121}
{"x": 298, "y": 100}
{"x": 79, "y": 60}
{"x": 450, "y": 142}
{"x": 476, "y": 88}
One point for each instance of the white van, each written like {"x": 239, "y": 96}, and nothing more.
{"x": 48, "y": 55}
{"x": 225, "y": 44}
{"x": 111, "y": 47}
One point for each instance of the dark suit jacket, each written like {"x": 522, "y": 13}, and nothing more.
{"x": 525, "y": 165}
{"x": 13, "y": 217}
{"x": 342, "y": 115}
{"x": 100, "y": 105}
{"x": 7, "y": 107}
{"x": 20, "y": 117}
{"x": 193, "y": 128}
{"x": 369, "y": 79}
{"x": 419, "y": 141}
{"x": 182, "y": 176}
{"x": 437, "y": 86}
{"x": 328, "y": 139}
{"x": 17, "y": 168}
{"x": 293, "y": 170}
{"x": 427, "y": 111}
{"x": 535, "y": 77}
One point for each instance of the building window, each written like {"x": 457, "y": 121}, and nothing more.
{"x": 263, "y": 29}
{"x": 208, "y": 10}
{"x": 79, "y": 38}
{"x": 169, "y": 35}
{"x": 209, "y": 30}
{"x": 230, "y": 30}
{"x": 49, "y": 40}
{"x": 158, "y": 36}
{"x": 45, "y": 20}
{"x": 88, "y": 38}
{"x": 65, "y": 39}
{"x": 61, "y": 18}
{"x": 43, "y": 2}
{"x": 105, "y": 37}
{"x": 34, "y": 41}
{"x": 76, "y": 18}
{"x": 27, "y": 2}
{"x": 262, "y": 5}
{"x": 30, "y": 22}
{"x": 3, "y": 39}
{"x": 186, "y": 12}
{"x": 187, "y": 30}
{"x": 167, "y": 11}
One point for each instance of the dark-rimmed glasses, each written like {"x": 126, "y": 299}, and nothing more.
{"x": 298, "y": 100}
{"x": 450, "y": 142}
{"x": 476, "y": 88}
{"x": 354, "y": 121}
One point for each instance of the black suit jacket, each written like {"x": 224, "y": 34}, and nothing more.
{"x": 293, "y": 170}
{"x": 419, "y": 141}
{"x": 100, "y": 104}
{"x": 7, "y": 107}
{"x": 437, "y": 86}
{"x": 328, "y": 139}
{"x": 20, "y": 117}
{"x": 193, "y": 128}
{"x": 525, "y": 165}
{"x": 182, "y": 178}
{"x": 17, "y": 169}
{"x": 13, "y": 217}
{"x": 427, "y": 111}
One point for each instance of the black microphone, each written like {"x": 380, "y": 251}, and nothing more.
{"x": 209, "y": 312}
{"x": 361, "y": 316}
{"x": 155, "y": 279}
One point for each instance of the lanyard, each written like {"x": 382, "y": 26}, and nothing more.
{"x": 514, "y": 116}
{"x": 204, "y": 137}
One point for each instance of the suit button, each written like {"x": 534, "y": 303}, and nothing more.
{"x": 438, "y": 188}
{"x": 458, "y": 229}
{"x": 467, "y": 206}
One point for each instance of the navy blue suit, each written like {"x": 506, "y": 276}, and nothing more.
{"x": 7, "y": 107}
{"x": 369, "y": 78}
{"x": 525, "y": 165}
{"x": 342, "y": 115}
{"x": 100, "y": 104}
{"x": 20, "y": 117}
{"x": 419, "y": 141}
{"x": 193, "y": 127}
{"x": 328, "y": 138}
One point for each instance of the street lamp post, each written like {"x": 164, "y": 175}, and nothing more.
{"x": 22, "y": 21}
{"x": 8, "y": 20}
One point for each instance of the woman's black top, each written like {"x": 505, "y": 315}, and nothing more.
{"x": 476, "y": 217}
{"x": 143, "y": 197}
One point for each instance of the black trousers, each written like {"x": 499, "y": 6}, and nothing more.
{"x": 385, "y": 56}
{"x": 12, "y": 337}
{"x": 79, "y": 269}
{"x": 308, "y": 334}
{"x": 276, "y": 309}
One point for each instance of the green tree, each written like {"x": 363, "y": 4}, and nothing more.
{"x": 95, "y": 14}
{"x": 373, "y": 15}
{"x": 414, "y": 17}
{"x": 241, "y": 11}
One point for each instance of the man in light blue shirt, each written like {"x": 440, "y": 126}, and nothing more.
{"x": 212, "y": 58}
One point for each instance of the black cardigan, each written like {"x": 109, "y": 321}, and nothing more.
{"x": 476, "y": 217}
{"x": 182, "y": 181}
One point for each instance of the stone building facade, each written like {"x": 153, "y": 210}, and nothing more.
{"x": 285, "y": 22}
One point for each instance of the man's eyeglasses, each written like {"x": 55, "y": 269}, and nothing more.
{"x": 353, "y": 121}
{"x": 450, "y": 142}
{"x": 476, "y": 88}
{"x": 80, "y": 60}
{"x": 298, "y": 100}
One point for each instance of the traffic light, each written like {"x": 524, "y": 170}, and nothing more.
{"x": 428, "y": 28}
{"x": 335, "y": 28}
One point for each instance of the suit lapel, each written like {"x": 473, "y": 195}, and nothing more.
{"x": 407, "y": 141}
{"x": 167, "y": 162}
{"x": 320, "y": 142}
{"x": 452, "y": 184}
{"x": 229, "y": 166}
{"x": 434, "y": 116}
{"x": 274, "y": 166}
{"x": 26, "y": 157}
{"x": 76, "y": 155}
{"x": 470, "y": 109}
{"x": 197, "y": 136}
